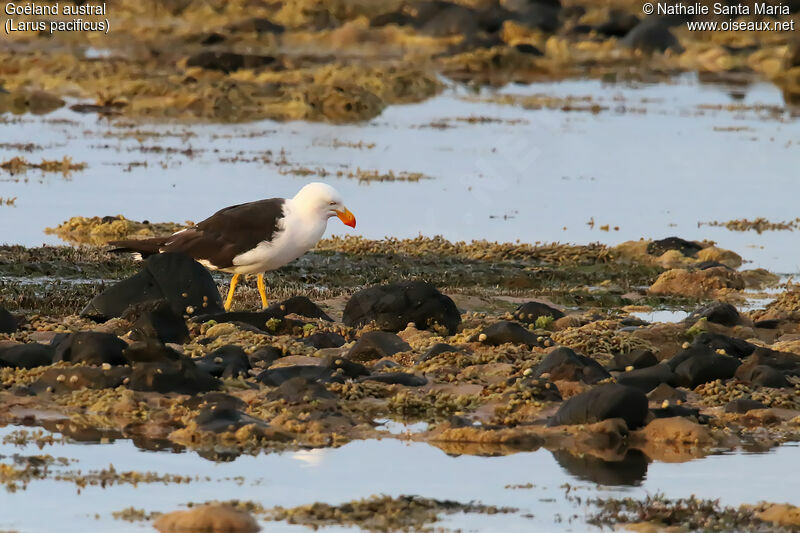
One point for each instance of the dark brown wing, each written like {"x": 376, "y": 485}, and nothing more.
{"x": 229, "y": 232}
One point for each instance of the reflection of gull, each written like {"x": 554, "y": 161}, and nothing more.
{"x": 310, "y": 457}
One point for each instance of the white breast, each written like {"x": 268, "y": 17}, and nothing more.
{"x": 297, "y": 234}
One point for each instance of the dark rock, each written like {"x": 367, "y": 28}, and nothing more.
{"x": 683, "y": 355}
{"x": 324, "y": 339}
{"x": 666, "y": 392}
{"x": 506, "y": 331}
{"x": 732, "y": 346}
{"x": 300, "y": 390}
{"x": 687, "y": 248}
{"x": 632, "y": 321}
{"x": 539, "y": 17}
{"x": 91, "y": 348}
{"x": 397, "y": 378}
{"x": 255, "y": 25}
{"x": 274, "y": 377}
{"x": 397, "y": 18}
{"x": 63, "y": 380}
{"x": 228, "y": 61}
{"x": 491, "y": 18}
{"x": 21, "y": 390}
{"x": 374, "y": 345}
{"x": 631, "y": 470}
{"x": 167, "y": 276}
{"x": 435, "y": 350}
{"x": 345, "y": 367}
{"x": 181, "y": 376}
{"x": 332, "y": 370}
{"x": 787, "y": 363}
{"x": 742, "y": 405}
{"x": 58, "y": 338}
{"x": 8, "y": 324}
{"x": 266, "y": 321}
{"x": 220, "y": 399}
{"x": 265, "y": 356}
{"x": 299, "y": 305}
{"x": 212, "y": 38}
{"x": 394, "y": 305}
{"x": 157, "y": 320}
{"x": 792, "y": 57}
{"x": 601, "y": 403}
{"x": 218, "y": 419}
{"x": 225, "y": 362}
{"x": 564, "y": 363}
{"x": 27, "y": 355}
{"x": 705, "y": 265}
{"x": 637, "y": 359}
{"x": 150, "y": 351}
{"x": 719, "y": 312}
{"x": 530, "y": 311}
{"x": 618, "y": 24}
{"x": 452, "y": 19}
{"x": 697, "y": 365}
{"x": 647, "y": 379}
{"x": 650, "y": 36}
{"x": 764, "y": 376}
{"x": 526, "y": 48}
{"x": 767, "y": 324}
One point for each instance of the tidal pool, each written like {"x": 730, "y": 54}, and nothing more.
{"x": 649, "y": 162}
{"x": 653, "y": 160}
{"x": 538, "y": 483}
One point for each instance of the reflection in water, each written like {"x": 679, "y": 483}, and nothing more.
{"x": 310, "y": 457}
{"x": 86, "y": 434}
{"x": 630, "y": 470}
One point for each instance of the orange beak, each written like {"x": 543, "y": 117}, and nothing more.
{"x": 347, "y": 217}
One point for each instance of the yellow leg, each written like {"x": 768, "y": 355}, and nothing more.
{"x": 229, "y": 299}
{"x": 262, "y": 290}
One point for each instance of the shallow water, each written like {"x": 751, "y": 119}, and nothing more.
{"x": 389, "y": 466}
{"x": 656, "y": 163}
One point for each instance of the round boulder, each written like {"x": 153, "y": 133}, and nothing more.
{"x": 393, "y": 306}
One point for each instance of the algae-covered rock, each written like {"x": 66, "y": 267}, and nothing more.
{"x": 707, "y": 283}
{"x": 374, "y": 345}
{"x": 564, "y": 363}
{"x": 601, "y": 403}
{"x": 181, "y": 281}
{"x": 28, "y": 355}
{"x": 8, "y": 323}
{"x": 209, "y": 518}
{"x": 677, "y": 430}
{"x": 393, "y": 306}
{"x": 506, "y": 331}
